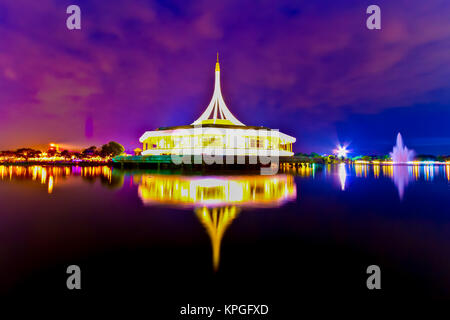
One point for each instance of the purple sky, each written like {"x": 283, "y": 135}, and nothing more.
{"x": 311, "y": 69}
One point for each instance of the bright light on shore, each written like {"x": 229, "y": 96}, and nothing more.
{"x": 341, "y": 151}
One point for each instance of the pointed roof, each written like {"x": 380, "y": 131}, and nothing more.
{"x": 217, "y": 111}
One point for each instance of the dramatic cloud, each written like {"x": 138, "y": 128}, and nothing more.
{"x": 309, "y": 68}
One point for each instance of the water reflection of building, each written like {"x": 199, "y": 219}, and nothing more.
{"x": 217, "y": 200}
{"x": 210, "y": 191}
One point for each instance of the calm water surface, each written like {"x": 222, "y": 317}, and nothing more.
{"x": 307, "y": 232}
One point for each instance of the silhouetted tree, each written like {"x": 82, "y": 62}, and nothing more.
{"x": 91, "y": 151}
{"x": 27, "y": 153}
{"x": 65, "y": 154}
{"x": 112, "y": 149}
{"x": 425, "y": 157}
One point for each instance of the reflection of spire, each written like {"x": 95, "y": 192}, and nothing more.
{"x": 217, "y": 200}
{"x": 216, "y": 222}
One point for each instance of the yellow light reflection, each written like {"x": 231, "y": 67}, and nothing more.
{"x": 44, "y": 176}
{"x": 361, "y": 170}
{"x": 49, "y": 175}
{"x": 216, "y": 221}
{"x": 304, "y": 170}
{"x": 376, "y": 171}
{"x": 388, "y": 171}
{"x": 3, "y": 171}
{"x": 216, "y": 190}
{"x": 416, "y": 172}
{"x": 217, "y": 200}
{"x": 428, "y": 172}
{"x": 50, "y": 184}
{"x": 35, "y": 172}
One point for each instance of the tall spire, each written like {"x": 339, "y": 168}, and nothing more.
{"x": 217, "y": 111}
{"x": 217, "y": 63}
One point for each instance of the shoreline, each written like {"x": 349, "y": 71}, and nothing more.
{"x": 58, "y": 163}
{"x": 134, "y": 164}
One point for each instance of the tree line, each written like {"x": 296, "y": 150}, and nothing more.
{"x": 110, "y": 149}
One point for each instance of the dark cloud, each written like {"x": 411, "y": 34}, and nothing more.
{"x": 305, "y": 68}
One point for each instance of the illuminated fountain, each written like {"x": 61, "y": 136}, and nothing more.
{"x": 216, "y": 200}
{"x": 400, "y": 153}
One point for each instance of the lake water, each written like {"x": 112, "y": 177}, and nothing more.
{"x": 186, "y": 238}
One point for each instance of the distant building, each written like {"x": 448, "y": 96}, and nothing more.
{"x": 217, "y": 132}
{"x": 53, "y": 147}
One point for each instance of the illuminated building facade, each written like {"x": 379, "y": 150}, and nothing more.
{"x": 217, "y": 132}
